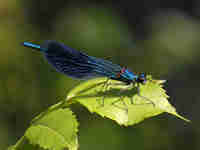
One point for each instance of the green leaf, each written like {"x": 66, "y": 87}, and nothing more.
{"x": 54, "y": 129}
{"x": 115, "y": 101}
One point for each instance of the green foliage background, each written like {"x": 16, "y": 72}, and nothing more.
{"x": 29, "y": 85}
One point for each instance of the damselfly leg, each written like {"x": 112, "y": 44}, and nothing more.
{"x": 104, "y": 89}
{"x": 143, "y": 97}
{"x": 121, "y": 99}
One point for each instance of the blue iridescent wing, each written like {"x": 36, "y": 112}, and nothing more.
{"x": 77, "y": 64}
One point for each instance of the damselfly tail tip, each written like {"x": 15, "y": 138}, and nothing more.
{"x": 25, "y": 43}
{"x": 31, "y": 45}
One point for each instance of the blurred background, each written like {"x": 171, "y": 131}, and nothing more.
{"x": 157, "y": 37}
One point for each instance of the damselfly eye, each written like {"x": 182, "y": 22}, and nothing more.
{"x": 142, "y": 78}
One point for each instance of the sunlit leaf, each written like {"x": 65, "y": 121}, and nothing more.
{"x": 55, "y": 130}
{"x": 122, "y": 103}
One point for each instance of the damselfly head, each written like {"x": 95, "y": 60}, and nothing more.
{"x": 141, "y": 78}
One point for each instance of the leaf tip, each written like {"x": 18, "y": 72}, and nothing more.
{"x": 183, "y": 118}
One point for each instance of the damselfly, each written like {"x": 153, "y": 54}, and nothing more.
{"x": 79, "y": 65}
